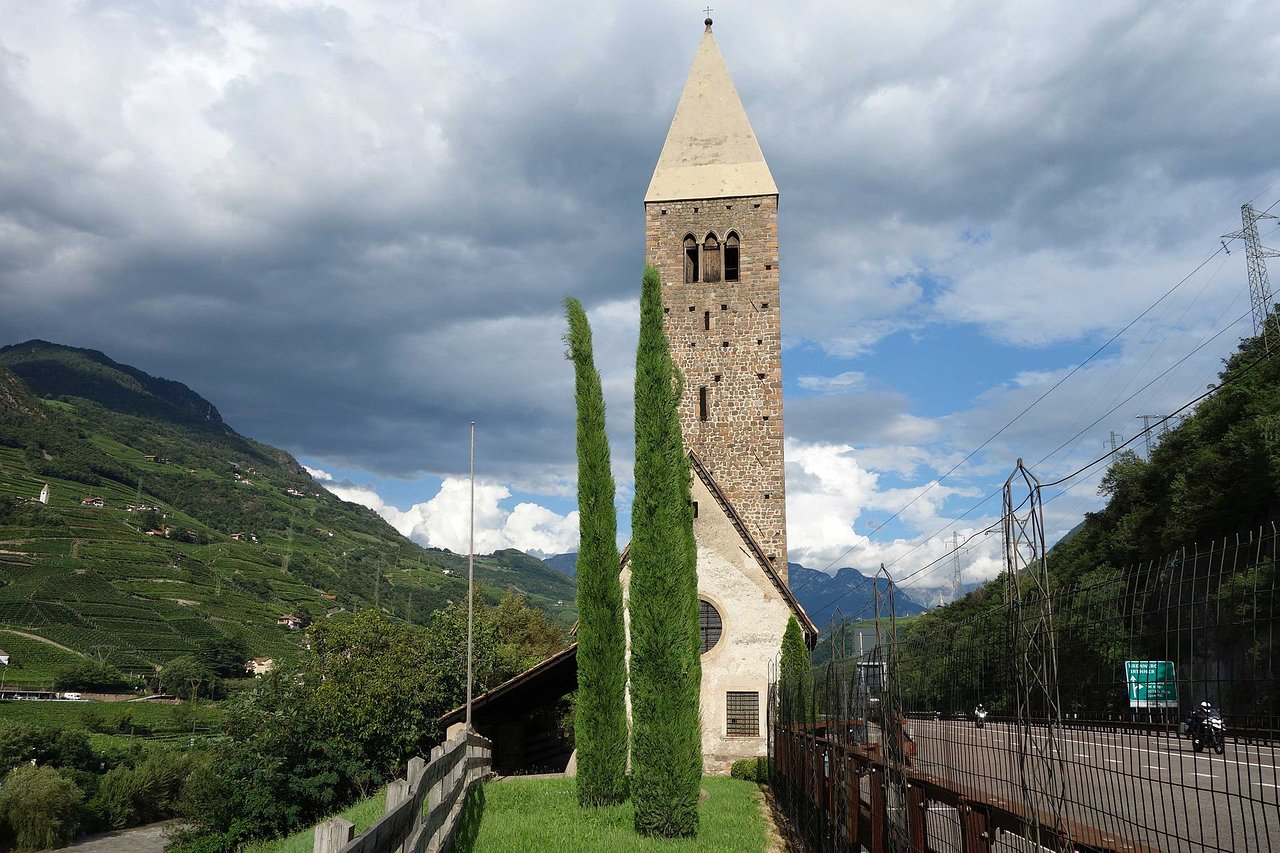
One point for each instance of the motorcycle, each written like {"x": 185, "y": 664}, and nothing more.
{"x": 981, "y": 718}
{"x": 1210, "y": 733}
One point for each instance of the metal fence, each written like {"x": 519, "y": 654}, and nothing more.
{"x": 1087, "y": 686}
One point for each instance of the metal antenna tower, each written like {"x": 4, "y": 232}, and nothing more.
{"x": 1033, "y": 661}
{"x": 1114, "y": 441}
{"x": 1255, "y": 256}
{"x": 1163, "y": 420}
{"x": 955, "y": 565}
{"x": 892, "y": 718}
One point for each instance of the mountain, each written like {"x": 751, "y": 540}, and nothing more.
{"x": 564, "y": 563}
{"x": 165, "y": 527}
{"x": 52, "y": 370}
{"x": 936, "y": 596}
{"x": 847, "y": 593}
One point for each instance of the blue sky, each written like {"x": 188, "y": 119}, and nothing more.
{"x": 351, "y": 224}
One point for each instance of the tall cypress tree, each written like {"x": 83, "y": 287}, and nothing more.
{"x": 795, "y": 680}
{"x": 600, "y": 721}
{"x": 666, "y": 673}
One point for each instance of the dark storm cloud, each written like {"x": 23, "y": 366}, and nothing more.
{"x": 351, "y": 225}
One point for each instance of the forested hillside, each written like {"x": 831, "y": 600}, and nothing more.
{"x": 201, "y": 532}
{"x": 1157, "y": 574}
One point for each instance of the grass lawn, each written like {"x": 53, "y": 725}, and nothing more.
{"x": 543, "y": 814}
{"x": 362, "y": 814}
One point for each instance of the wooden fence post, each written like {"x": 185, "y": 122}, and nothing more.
{"x": 917, "y": 817}
{"x": 332, "y": 835}
{"x": 879, "y": 812}
{"x": 417, "y": 765}
{"x": 975, "y": 835}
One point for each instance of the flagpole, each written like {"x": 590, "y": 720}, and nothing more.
{"x": 471, "y": 559}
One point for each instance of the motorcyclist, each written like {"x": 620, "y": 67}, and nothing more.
{"x": 1200, "y": 714}
{"x": 979, "y": 710}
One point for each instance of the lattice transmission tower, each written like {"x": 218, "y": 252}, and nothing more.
{"x": 1033, "y": 663}
{"x": 1255, "y": 257}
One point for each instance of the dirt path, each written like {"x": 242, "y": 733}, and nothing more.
{"x": 139, "y": 839}
{"x": 44, "y": 640}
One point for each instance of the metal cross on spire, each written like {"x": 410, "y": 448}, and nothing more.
{"x": 707, "y": 11}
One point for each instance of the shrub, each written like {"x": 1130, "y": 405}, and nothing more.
{"x": 751, "y": 769}
{"x": 40, "y": 808}
{"x": 128, "y": 796}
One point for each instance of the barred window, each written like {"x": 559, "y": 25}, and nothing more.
{"x": 709, "y": 625}
{"x": 743, "y": 714}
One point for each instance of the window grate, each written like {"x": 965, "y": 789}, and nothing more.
{"x": 743, "y": 714}
{"x": 710, "y": 625}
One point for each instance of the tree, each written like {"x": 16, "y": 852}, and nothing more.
{"x": 379, "y": 685}
{"x": 223, "y": 655}
{"x": 666, "y": 673}
{"x": 600, "y": 718}
{"x": 796, "y": 676}
{"x": 40, "y": 807}
{"x": 89, "y": 675}
{"x": 187, "y": 678}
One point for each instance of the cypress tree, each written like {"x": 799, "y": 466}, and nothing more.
{"x": 666, "y": 673}
{"x": 600, "y": 721}
{"x": 796, "y": 676}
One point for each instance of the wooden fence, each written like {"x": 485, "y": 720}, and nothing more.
{"x": 423, "y": 809}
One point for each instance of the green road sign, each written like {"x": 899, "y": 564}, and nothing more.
{"x": 1152, "y": 683}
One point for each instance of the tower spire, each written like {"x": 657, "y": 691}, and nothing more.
{"x": 711, "y": 150}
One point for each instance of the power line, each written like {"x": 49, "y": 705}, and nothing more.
{"x": 1027, "y": 409}
{"x": 998, "y": 522}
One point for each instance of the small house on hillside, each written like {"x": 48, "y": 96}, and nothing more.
{"x": 259, "y": 666}
{"x": 290, "y": 621}
{"x": 98, "y": 502}
{"x": 239, "y": 537}
{"x": 4, "y": 657}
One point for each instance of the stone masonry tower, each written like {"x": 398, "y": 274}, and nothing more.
{"x": 711, "y": 228}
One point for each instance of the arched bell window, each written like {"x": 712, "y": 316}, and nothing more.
{"x": 711, "y": 259}
{"x": 690, "y": 259}
{"x": 731, "y": 246}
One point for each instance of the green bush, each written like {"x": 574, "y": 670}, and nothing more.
{"x": 39, "y": 808}
{"x": 128, "y": 796}
{"x": 751, "y": 769}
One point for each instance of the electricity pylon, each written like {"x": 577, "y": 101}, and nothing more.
{"x": 1255, "y": 256}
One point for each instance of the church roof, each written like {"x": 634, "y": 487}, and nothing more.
{"x": 711, "y": 151}
{"x": 806, "y": 624}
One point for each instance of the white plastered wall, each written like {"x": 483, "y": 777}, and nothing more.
{"x": 754, "y": 614}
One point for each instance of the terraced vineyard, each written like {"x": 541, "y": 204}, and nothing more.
{"x": 246, "y": 537}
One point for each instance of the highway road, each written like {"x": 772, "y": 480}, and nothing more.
{"x": 1144, "y": 787}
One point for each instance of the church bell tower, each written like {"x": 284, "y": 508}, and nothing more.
{"x": 711, "y": 229}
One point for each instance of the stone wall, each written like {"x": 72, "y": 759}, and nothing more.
{"x": 726, "y": 338}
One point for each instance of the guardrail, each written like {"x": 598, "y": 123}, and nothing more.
{"x": 826, "y": 777}
{"x": 422, "y": 809}
{"x": 1245, "y": 729}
